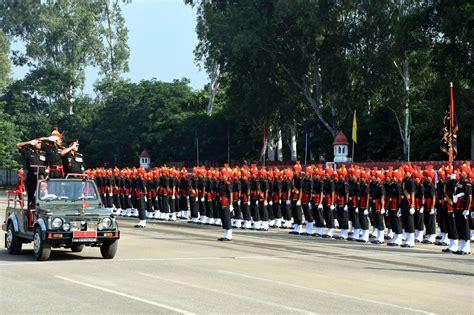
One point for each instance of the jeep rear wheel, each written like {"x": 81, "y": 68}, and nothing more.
{"x": 109, "y": 249}
{"x": 12, "y": 242}
{"x": 77, "y": 248}
{"x": 41, "y": 247}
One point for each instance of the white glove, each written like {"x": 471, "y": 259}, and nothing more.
{"x": 231, "y": 208}
{"x": 331, "y": 207}
{"x": 452, "y": 176}
{"x": 111, "y": 194}
{"x": 298, "y": 203}
{"x": 202, "y": 199}
{"x": 356, "y": 210}
{"x": 265, "y": 203}
{"x": 129, "y": 196}
{"x": 320, "y": 206}
{"x": 382, "y": 211}
{"x": 256, "y": 202}
{"x": 288, "y": 202}
{"x": 310, "y": 206}
{"x": 412, "y": 211}
{"x": 146, "y": 199}
{"x": 238, "y": 202}
{"x": 422, "y": 209}
{"x": 346, "y": 208}
{"x": 366, "y": 212}
{"x": 270, "y": 203}
{"x": 173, "y": 197}
{"x": 455, "y": 199}
{"x": 248, "y": 202}
{"x": 187, "y": 197}
{"x": 279, "y": 201}
{"x": 399, "y": 213}
{"x": 197, "y": 199}
{"x": 465, "y": 213}
{"x": 472, "y": 215}
{"x": 432, "y": 211}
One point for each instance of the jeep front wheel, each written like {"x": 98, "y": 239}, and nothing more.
{"x": 12, "y": 242}
{"x": 109, "y": 249}
{"x": 41, "y": 247}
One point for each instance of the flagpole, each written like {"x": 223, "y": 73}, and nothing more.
{"x": 305, "y": 147}
{"x": 228, "y": 145}
{"x": 352, "y": 150}
{"x": 197, "y": 150}
{"x": 451, "y": 122}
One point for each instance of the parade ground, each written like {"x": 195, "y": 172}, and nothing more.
{"x": 175, "y": 267}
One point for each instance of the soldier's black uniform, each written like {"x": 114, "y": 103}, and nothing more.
{"x": 35, "y": 165}
{"x": 329, "y": 188}
{"x": 429, "y": 191}
{"x": 316, "y": 200}
{"x": 342, "y": 190}
{"x": 285, "y": 191}
{"x": 408, "y": 222}
{"x": 54, "y": 160}
{"x": 353, "y": 196}
{"x": 73, "y": 163}
{"x": 224, "y": 189}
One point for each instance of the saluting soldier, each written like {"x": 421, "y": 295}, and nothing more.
{"x": 52, "y": 147}
{"x": 73, "y": 161}
{"x": 35, "y": 165}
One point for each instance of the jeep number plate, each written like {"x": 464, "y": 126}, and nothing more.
{"x": 84, "y": 236}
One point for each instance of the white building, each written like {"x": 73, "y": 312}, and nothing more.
{"x": 341, "y": 148}
{"x": 145, "y": 159}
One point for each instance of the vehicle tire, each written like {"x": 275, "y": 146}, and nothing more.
{"x": 41, "y": 248}
{"x": 109, "y": 249}
{"x": 13, "y": 243}
{"x": 77, "y": 248}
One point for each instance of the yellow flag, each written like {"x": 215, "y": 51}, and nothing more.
{"x": 354, "y": 128}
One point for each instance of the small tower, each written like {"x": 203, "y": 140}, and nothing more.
{"x": 341, "y": 148}
{"x": 145, "y": 159}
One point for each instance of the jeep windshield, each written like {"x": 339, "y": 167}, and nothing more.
{"x": 66, "y": 190}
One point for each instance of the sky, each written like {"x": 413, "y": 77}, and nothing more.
{"x": 161, "y": 38}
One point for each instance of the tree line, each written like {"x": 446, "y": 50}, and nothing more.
{"x": 288, "y": 67}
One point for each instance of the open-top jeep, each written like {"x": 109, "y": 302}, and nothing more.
{"x": 68, "y": 213}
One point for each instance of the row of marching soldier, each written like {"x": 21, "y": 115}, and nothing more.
{"x": 397, "y": 207}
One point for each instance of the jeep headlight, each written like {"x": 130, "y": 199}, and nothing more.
{"x": 106, "y": 223}
{"x": 57, "y": 223}
{"x": 66, "y": 227}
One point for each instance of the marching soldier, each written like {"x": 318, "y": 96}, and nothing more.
{"x": 363, "y": 205}
{"x": 342, "y": 197}
{"x": 419, "y": 206}
{"x": 262, "y": 224}
{"x": 407, "y": 206}
{"x": 296, "y": 194}
{"x": 395, "y": 211}
{"x": 463, "y": 201}
{"x": 225, "y": 203}
{"x": 236, "y": 196}
{"x": 442, "y": 239}
{"x": 317, "y": 200}
{"x": 276, "y": 199}
{"x": 354, "y": 174}
{"x": 429, "y": 191}
{"x": 377, "y": 194}
{"x": 329, "y": 198}
{"x": 285, "y": 198}
{"x": 307, "y": 189}
{"x": 245, "y": 199}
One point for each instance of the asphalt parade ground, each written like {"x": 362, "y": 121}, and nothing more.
{"x": 175, "y": 267}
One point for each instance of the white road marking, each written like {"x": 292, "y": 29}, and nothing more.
{"x": 323, "y": 291}
{"x": 288, "y": 308}
{"x": 128, "y": 296}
